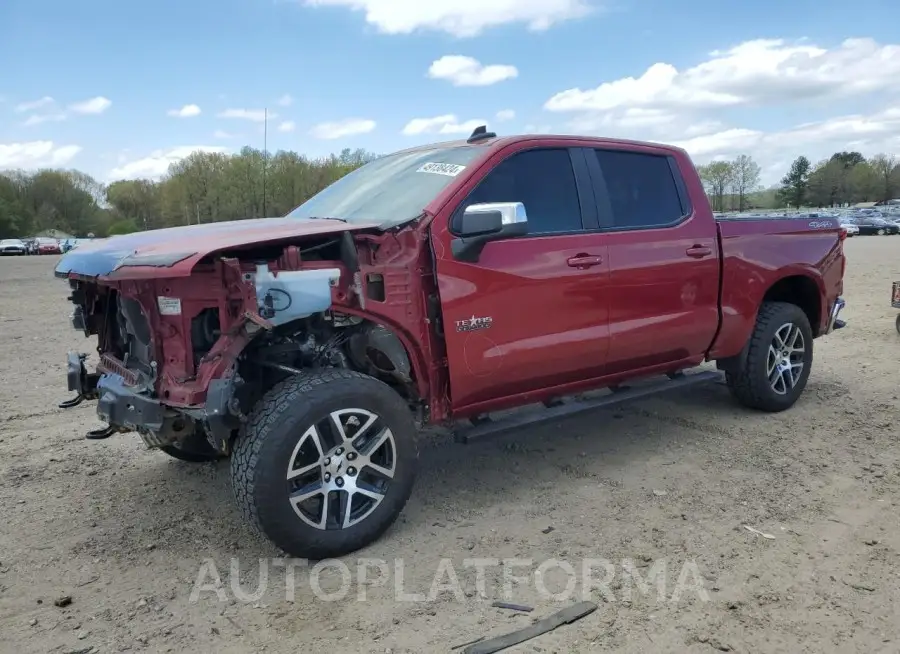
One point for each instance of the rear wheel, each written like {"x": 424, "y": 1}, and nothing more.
{"x": 326, "y": 463}
{"x": 779, "y": 359}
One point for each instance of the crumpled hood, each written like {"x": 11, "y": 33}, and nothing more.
{"x": 178, "y": 249}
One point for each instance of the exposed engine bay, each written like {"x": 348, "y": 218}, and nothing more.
{"x": 328, "y": 340}
{"x": 324, "y": 340}
{"x": 188, "y": 357}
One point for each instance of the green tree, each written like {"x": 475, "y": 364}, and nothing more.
{"x": 848, "y": 159}
{"x": 829, "y": 184}
{"x": 795, "y": 184}
{"x": 864, "y": 183}
{"x": 204, "y": 187}
{"x": 136, "y": 201}
{"x": 885, "y": 167}
{"x": 744, "y": 179}
{"x": 716, "y": 178}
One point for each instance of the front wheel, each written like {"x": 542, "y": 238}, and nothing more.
{"x": 881, "y": 232}
{"x": 778, "y": 361}
{"x": 326, "y": 463}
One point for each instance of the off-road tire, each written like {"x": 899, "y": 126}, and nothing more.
{"x": 750, "y": 384}
{"x": 897, "y": 324}
{"x": 266, "y": 442}
{"x": 194, "y": 449}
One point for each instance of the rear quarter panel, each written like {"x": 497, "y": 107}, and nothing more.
{"x": 758, "y": 253}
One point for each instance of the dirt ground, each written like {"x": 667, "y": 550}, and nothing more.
{"x": 671, "y": 480}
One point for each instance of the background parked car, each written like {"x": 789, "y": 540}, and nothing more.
{"x": 852, "y": 230}
{"x": 13, "y": 246}
{"x": 30, "y": 245}
{"x": 869, "y": 226}
{"x": 48, "y": 246}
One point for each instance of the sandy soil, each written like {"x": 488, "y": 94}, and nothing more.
{"x": 672, "y": 480}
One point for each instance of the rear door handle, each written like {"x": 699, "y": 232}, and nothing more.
{"x": 698, "y": 251}
{"x": 584, "y": 261}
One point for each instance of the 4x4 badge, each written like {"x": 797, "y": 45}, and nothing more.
{"x": 473, "y": 323}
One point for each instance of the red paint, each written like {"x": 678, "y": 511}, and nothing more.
{"x": 652, "y": 306}
{"x": 569, "y": 312}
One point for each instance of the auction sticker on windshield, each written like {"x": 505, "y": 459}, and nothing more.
{"x": 451, "y": 170}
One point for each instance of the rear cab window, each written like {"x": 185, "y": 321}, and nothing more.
{"x": 641, "y": 190}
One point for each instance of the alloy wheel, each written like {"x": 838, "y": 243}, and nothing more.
{"x": 341, "y": 469}
{"x": 785, "y": 360}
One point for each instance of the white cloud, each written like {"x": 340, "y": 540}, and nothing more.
{"x": 187, "y": 111}
{"x": 253, "y": 115}
{"x": 721, "y": 144}
{"x": 461, "y": 18}
{"x": 695, "y": 108}
{"x": 36, "y": 154}
{"x": 506, "y": 114}
{"x": 285, "y": 100}
{"x": 760, "y": 72}
{"x": 633, "y": 117}
{"x": 46, "y": 101}
{"x": 468, "y": 71}
{"x": 287, "y": 126}
{"x": 93, "y": 106}
{"x": 37, "y": 119}
{"x": 868, "y": 133}
{"x": 446, "y": 124}
{"x": 341, "y": 128}
{"x": 157, "y": 163}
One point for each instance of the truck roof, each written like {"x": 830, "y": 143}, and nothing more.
{"x": 496, "y": 142}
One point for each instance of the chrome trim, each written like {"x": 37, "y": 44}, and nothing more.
{"x": 839, "y": 305}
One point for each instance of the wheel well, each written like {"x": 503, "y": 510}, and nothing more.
{"x": 801, "y": 291}
{"x": 333, "y": 341}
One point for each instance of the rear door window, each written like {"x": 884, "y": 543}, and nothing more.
{"x": 641, "y": 188}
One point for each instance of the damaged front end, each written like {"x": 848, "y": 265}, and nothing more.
{"x": 99, "y": 386}
{"x": 169, "y": 348}
{"x": 183, "y": 359}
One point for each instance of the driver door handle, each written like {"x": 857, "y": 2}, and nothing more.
{"x": 698, "y": 251}
{"x": 584, "y": 261}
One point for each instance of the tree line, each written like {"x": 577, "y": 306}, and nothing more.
{"x": 203, "y": 187}
{"x": 209, "y": 187}
{"x": 843, "y": 179}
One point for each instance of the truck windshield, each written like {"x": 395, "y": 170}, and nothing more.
{"x": 390, "y": 190}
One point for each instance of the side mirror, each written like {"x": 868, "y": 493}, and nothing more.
{"x": 483, "y": 223}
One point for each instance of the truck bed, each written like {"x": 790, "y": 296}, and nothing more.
{"x": 758, "y": 251}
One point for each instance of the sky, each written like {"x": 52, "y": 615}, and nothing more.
{"x": 122, "y": 89}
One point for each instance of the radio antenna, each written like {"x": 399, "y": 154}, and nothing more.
{"x": 265, "y": 157}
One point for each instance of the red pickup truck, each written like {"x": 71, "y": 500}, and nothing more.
{"x": 439, "y": 285}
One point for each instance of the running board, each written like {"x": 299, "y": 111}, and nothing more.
{"x": 483, "y": 426}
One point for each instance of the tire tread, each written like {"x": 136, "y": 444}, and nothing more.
{"x": 294, "y": 393}
{"x": 750, "y": 385}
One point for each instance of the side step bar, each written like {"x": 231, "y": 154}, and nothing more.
{"x": 486, "y": 426}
